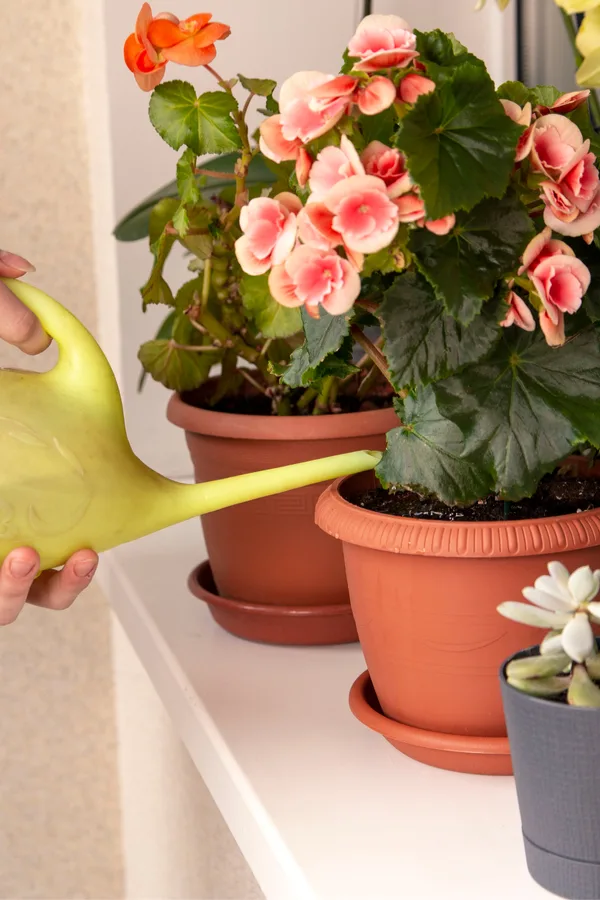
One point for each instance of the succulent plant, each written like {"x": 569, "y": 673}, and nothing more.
{"x": 568, "y": 661}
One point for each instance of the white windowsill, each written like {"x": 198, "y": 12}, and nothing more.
{"x": 321, "y": 807}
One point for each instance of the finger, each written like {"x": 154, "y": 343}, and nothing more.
{"x": 19, "y": 326}
{"x": 16, "y": 577}
{"x": 13, "y": 266}
{"x": 58, "y": 590}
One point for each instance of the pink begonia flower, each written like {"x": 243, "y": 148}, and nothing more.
{"x": 584, "y": 223}
{"x": 559, "y": 278}
{"x": 389, "y": 165}
{"x": 557, "y": 146}
{"x": 371, "y": 97}
{"x": 311, "y": 103}
{"x": 441, "y": 226}
{"x": 557, "y": 201}
{"x": 573, "y": 205}
{"x": 382, "y": 42}
{"x": 410, "y": 208}
{"x": 302, "y": 117}
{"x": 518, "y": 313}
{"x": 566, "y": 102}
{"x": 580, "y": 184}
{"x": 270, "y": 227}
{"x": 333, "y": 164}
{"x": 304, "y": 164}
{"x": 521, "y": 117}
{"x": 561, "y": 282}
{"x": 540, "y": 247}
{"x": 272, "y": 143}
{"x": 315, "y": 228}
{"x": 414, "y": 86}
{"x": 363, "y": 214}
{"x": 356, "y": 213}
{"x": 313, "y": 278}
{"x": 554, "y": 332}
{"x": 376, "y": 95}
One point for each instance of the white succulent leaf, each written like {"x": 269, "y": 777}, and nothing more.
{"x": 532, "y": 615}
{"x": 594, "y": 609}
{"x": 560, "y": 575}
{"x": 578, "y": 638}
{"x": 546, "y": 600}
{"x": 583, "y": 584}
{"x": 551, "y": 645}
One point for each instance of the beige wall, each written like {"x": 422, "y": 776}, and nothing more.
{"x": 73, "y": 790}
{"x": 59, "y": 803}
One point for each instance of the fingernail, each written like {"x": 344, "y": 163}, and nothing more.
{"x": 16, "y": 262}
{"x": 21, "y": 568}
{"x": 84, "y": 569}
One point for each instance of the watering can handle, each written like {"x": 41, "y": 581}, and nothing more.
{"x": 82, "y": 366}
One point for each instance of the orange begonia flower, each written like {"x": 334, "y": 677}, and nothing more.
{"x": 190, "y": 42}
{"x": 141, "y": 58}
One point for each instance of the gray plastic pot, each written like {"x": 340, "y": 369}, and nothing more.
{"x": 555, "y": 751}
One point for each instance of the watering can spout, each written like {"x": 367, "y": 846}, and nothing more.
{"x": 69, "y": 478}
{"x": 214, "y": 495}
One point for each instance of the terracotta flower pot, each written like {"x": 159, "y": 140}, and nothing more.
{"x": 424, "y": 595}
{"x": 269, "y": 552}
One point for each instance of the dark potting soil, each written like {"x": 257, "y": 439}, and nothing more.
{"x": 259, "y": 405}
{"x": 557, "y": 495}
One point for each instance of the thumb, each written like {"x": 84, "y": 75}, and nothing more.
{"x": 19, "y": 326}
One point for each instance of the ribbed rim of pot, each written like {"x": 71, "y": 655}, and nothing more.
{"x": 279, "y": 428}
{"x": 395, "y": 534}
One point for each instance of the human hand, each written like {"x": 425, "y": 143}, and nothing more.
{"x": 18, "y": 583}
{"x": 18, "y": 325}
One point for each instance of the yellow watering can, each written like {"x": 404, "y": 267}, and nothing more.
{"x": 68, "y": 476}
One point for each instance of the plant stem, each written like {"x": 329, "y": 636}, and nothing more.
{"x": 206, "y": 281}
{"x": 372, "y": 351}
{"x": 247, "y": 104}
{"x": 217, "y": 330}
{"x": 368, "y": 381}
{"x": 307, "y": 398}
{"x": 221, "y": 81}
{"x": 333, "y": 395}
{"x": 211, "y": 173}
{"x": 366, "y": 303}
{"x": 245, "y": 374}
{"x": 322, "y": 404}
{"x": 194, "y": 348}
{"x": 241, "y": 166}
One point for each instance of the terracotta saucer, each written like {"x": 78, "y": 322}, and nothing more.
{"x": 459, "y": 753}
{"x": 271, "y": 624}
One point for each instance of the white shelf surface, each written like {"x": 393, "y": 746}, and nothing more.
{"x": 321, "y": 807}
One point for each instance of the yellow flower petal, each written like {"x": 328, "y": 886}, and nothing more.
{"x": 577, "y": 6}
{"x": 588, "y": 36}
{"x": 588, "y": 73}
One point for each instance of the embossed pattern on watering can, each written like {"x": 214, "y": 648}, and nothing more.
{"x": 53, "y": 498}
